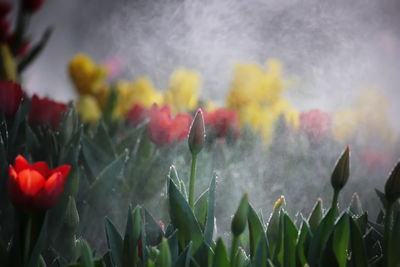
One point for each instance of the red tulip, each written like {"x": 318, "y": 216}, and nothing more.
{"x": 315, "y": 124}
{"x": 11, "y": 95}
{"x": 46, "y": 111}
{"x": 223, "y": 122}
{"x": 375, "y": 159}
{"x": 162, "y": 129}
{"x": 35, "y": 187}
{"x": 32, "y": 6}
{"x": 137, "y": 114}
{"x": 5, "y": 8}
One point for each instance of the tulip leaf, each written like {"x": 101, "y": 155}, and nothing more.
{"x": 221, "y": 256}
{"x": 35, "y": 51}
{"x": 341, "y": 236}
{"x": 174, "y": 245}
{"x": 131, "y": 238}
{"x": 95, "y": 157}
{"x": 301, "y": 246}
{"x": 209, "y": 227}
{"x": 316, "y": 215}
{"x": 256, "y": 229}
{"x": 287, "y": 251}
{"x": 86, "y": 259}
{"x": 358, "y": 249}
{"x": 184, "y": 258}
{"x": 200, "y": 208}
{"x": 164, "y": 258}
{"x": 320, "y": 237}
{"x": 183, "y": 219}
{"x": 203, "y": 255}
{"x": 153, "y": 230}
{"x": 261, "y": 254}
{"x": 114, "y": 242}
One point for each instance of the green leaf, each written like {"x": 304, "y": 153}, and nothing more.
{"x": 261, "y": 255}
{"x": 203, "y": 255}
{"x": 256, "y": 229}
{"x": 152, "y": 229}
{"x": 164, "y": 258}
{"x": 241, "y": 259}
{"x": 174, "y": 245}
{"x": 35, "y": 51}
{"x": 183, "y": 219}
{"x": 200, "y": 208}
{"x": 358, "y": 250}
{"x": 301, "y": 247}
{"x": 320, "y": 237}
{"x": 131, "y": 238}
{"x": 273, "y": 236}
{"x": 184, "y": 258}
{"x": 341, "y": 236}
{"x": 86, "y": 255}
{"x": 355, "y": 206}
{"x": 316, "y": 215}
{"x": 221, "y": 256}
{"x": 209, "y": 227}
{"x": 287, "y": 252}
{"x": 114, "y": 242}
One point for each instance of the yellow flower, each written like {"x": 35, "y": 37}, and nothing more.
{"x": 261, "y": 121}
{"x": 210, "y": 106}
{"x": 88, "y": 108}
{"x": 140, "y": 91}
{"x": 344, "y": 124}
{"x": 182, "y": 95}
{"x": 88, "y": 77}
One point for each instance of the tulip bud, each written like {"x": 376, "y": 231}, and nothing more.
{"x": 197, "y": 133}
{"x": 340, "y": 174}
{"x": 392, "y": 187}
{"x": 240, "y": 218}
{"x": 71, "y": 214}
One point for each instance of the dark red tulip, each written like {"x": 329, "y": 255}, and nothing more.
{"x": 223, "y": 122}
{"x": 45, "y": 111}
{"x": 32, "y": 6}
{"x": 5, "y": 8}
{"x": 137, "y": 114}
{"x": 11, "y": 95}
{"x": 35, "y": 187}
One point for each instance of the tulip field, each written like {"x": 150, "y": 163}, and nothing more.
{"x": 130, "y": 175}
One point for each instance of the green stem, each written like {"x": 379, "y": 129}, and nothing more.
{"x": 27, "y": 239}
{"x": 387, "y": 234}
{"x": 234, "y": 246}
{"x": 335, "y": 199}
{"x": 192, "y": 181}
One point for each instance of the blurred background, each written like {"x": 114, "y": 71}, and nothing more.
{"x": 330, "y": 49}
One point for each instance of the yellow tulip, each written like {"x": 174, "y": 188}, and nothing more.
{"x": 344, "y": 124}
{"x": 88, "y": 77}
{"x": 182, "y": 94}
{"x": 88, "y": 108}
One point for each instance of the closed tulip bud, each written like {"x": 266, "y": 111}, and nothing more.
{"x": 392, "y": 187}
{"x": 340, "y": 174}
{"x": 240, "y": 218}
{"x": 71, "y": 214}
{"x": 197, "y": 133}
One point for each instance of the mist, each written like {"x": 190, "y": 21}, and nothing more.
{"x": 330, "y": 50}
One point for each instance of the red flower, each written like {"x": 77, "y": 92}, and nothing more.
{"x": 315, "y": 124}
{"x": 223, "y": 122}
{"x": 35, "y": 187}
{"x": 162, "y": 129}
{"x": 376, "y": 159}
{"x": 46, "y": 111}
{"x": 11, "y": 95}
{"x": 4, "y": 29}
{"x": 32, "y": 6}
{"x": 137, "y": 114}
{"x": 5, "y": 8}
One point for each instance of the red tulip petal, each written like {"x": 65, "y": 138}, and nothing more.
{"x": 63, "y": 170}
{"x": 52, "y": 190}
{"x": 42, "y": 168}
{"x": 12, "y": 173}
{"x": 21, "y": 164}
{"x": 30, "y": 181}
{"x": 53, "y": 182}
